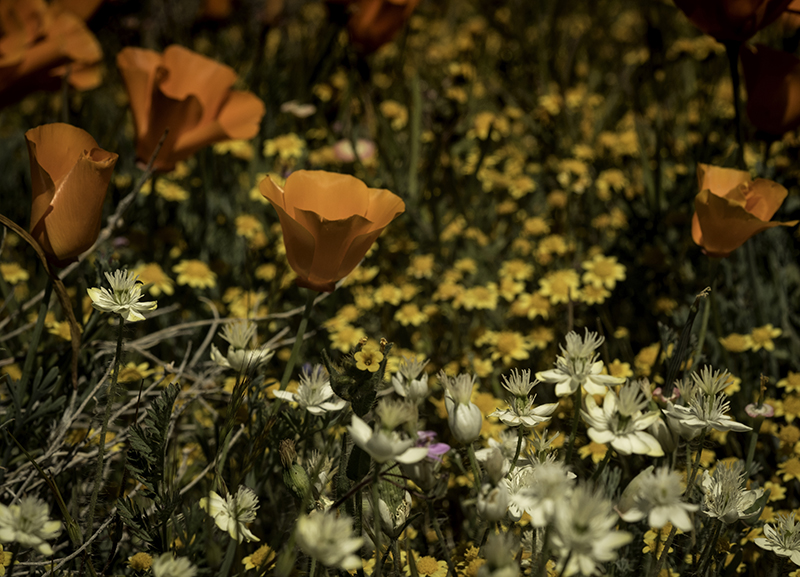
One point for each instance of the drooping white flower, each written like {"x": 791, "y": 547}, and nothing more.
{"x": 493, "y": 501}
{"x": 241, "y": 357}
{"x": 782, "y": 538}
{"x": 578, "y": 366}
{"x": 314, "y": 394}
{"x": 123, "y": 299}
{"x": 725, "y": 498}
{"x": 621, "y": 423}
{"x": 584, "y": 532}
{"x": 28, "y": 524}
{"x": 463, "y": 416}
{"x": 383, "y": 445}
{"x": 329, "y": 539}
{"x": 232, "y": 513}
{"x": 657, "y": 496}
{"x": 167, "y": 565}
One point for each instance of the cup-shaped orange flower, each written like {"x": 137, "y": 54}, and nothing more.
{"x": 40, "y": 44}
{"x": 191, "y": 96}
{"x": 731, "y": 208}
{"x": 329, "y": 221}
{"x": 772, "y": 78}
{"x": 732, "y": 20}
{"x": 69, "y": 178}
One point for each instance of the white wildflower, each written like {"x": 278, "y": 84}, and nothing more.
{"x": 166, "y": 565}
{"x": 123, "y": 298}
{"x": 725, "y": 498}
{"x": 383, "y": 445}
{"x": 241, "y": 357}
{"x": 28, "y": 524}
{"x": 232, "y": 514}
{"x": 578, "y": 366}
{"x": 314, "y": 394}
{"x": 657, "y": 496}
{"x": 463, "y": 416}
{"x": 782, "y": 538}
{"x": 329, "y": 539}
{"x": 410, "y": 382}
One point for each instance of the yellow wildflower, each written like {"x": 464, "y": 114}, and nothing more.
{"x": 195, "y": 273}
{"x": 762, "y": 337}
{"x": 152, "y": 274}
{"x": 603, "y": 271}
{"x": 368, "y": 359}
{"x": 791, "y": 383}
{"x": 13, "y": 273}
{"x": 737, "y": 343}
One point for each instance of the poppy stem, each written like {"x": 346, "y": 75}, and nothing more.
{"x": 36, "y": 337}
{"x": 732, "y": 48}
{"x": 298, "y": 340}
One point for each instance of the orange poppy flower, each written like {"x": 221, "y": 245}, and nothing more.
{"x": 735, "y": 20}
{"x": 731, "y": 208}
{"x": 772, "y": 78}
{"x": 329, "y": 221}
{"x": 39, "y": 45}
{"x": 189, "y": 94}
{"x": 373, "y": 23}
{"x": 69, "y": 177}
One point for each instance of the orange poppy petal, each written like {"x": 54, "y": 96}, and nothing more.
{"x": 720, "y": 181}
{"x": 73, "y": 225}
{"x": 384, "y": 207}
{"x": 724, "y": 226}
{"x": 272, "y": 192}
{"x": 179, "y": 116}
{"x": 764, "y": 198}
{"x": 193, "y": 74}
{"x": 139, "y": 68}
{"x": 241, "y": 115}
{"x": 331, "y": 195}
{"x": 300, "y": 243}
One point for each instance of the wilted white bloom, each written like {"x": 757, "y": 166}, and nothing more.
{"x": 700, "y": 410}
{"x": 383, "y": 445}
{"x": 585, "y": 534}
{"x": 463, "y": 416}
{"x": 493, "y": 502}
{"x": 549, "y": 484}
{"x": 232, "y": 514}
{"x": 657, "y": 496}
{"x": 314, "y": 394}
{"x": 725, "y": 498}
{"x": 123, "y": 298}
{"x": 240, "y": 356}
{"x": 500, "y": 553}
{"x": 621, "y": 423}
{"x": 166, "y": 565}
{"x": 522, "y": 412}
{"x": 410, "y": 382}
{"x": 28, "y": 524}
{"x": 578, "y": 366}
{"x": 782, "y": 538}
{"x": 329, "y": 539}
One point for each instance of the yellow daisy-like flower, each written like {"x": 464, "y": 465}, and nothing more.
{"x": 260, "y": 559}
{"x": 531, "y": 306}
{"x": 540, "y": 337}
{"x": 603, "y": 271}
{"x": 762, "y": 337}
{"x": 387, "y": 293}
{"x": 478, "y": 298}
{"x": 791, "y": 408}
{"x": 466, "y": 265}
{"x": 517, "y": 269}
{"x": 132, "y": 372}
{"x": 777, "y": 492}
{"x": 248, "y": 226}
{"x": 409, "y": 314}
{"x": 788, "y": 436}
{"x": 594, "y": 450}
{"x": 140, "y": 562}
{"x": 646, "y": 358}
{"x": 594, "y": 295}
{"x": 790, "y": 469}
{"x": 421, "y": 266}
{"x": 61, "y": 329}
{"x": 737, "y": 343}
{"x": 12, "y": 273}
{"x": 239, "y": 148}
{"x": 152, "y": 274}
{"x": 346, "y": 338}
{"x": 428, "y": 567}
{"x": 368, "y": 359}
{"x": 617, "y": 368}
{"x": 195, "y": 273}
{"x": 287, "y": 147}
{"x": 791, "y": 383}
{"x": 560, "y": 286}
{"x": 171, "y": 191}
{"x": 535, "y": 226}
{"x": 506, "y": 345}
{"x": 655, "y": 539}
{"x": 395, "y": 112}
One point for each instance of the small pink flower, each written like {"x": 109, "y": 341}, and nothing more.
{"x": 755, "y": 410}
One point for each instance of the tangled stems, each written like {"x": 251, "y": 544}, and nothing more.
{"x": 98, "y": 473}
{"x": 298, "y": 341}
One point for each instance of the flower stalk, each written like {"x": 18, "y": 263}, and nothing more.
{"x": 298, "y": 341}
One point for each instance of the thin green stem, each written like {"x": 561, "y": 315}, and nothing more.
{"x": 520, "y": 436}
{"x": 298, "y": 341}
{"x": 476, "y": 472}
{"x": 13, "y": 563}
{"x": 101, "y": 445}
{"x": 36, "y": 337}
{"x": 576, "y": 404}
{"x": 751, "y": 447}
{"x": 705, "y": 558}
{"x": 603, "y": 463}
{"x": 732, "y": 48}
{"x": 376, "y": 517}
{"x": 437, "y": 528}
{"x": 544, "y": 555}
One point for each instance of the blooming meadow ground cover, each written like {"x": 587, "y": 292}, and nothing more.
{"x": 399, "y": 288}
